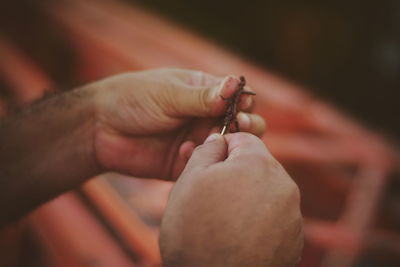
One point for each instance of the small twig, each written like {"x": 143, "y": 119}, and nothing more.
{"x": 232, "y": 109}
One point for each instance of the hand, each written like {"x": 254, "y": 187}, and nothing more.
{"x": 233, "y": 205}
{"x": 147, "y": 121}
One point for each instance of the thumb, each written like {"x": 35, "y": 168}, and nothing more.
{"x": 203, "y": 101}
{"x": 212, "y": 151}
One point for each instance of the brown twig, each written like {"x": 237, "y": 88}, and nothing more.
{"x": 232, "y": 107}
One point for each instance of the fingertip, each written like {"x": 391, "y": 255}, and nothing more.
{"x": 184, "y": 153}
{"x": 244, "y": 121}
{"x": 247, "y": 102}
{"x": 258, "y": 125}
{"x": 227, "y": 88}
{"x": 245, "y": 145}
{"x": 216, "y": 129}
{"x": 223, "y": 91}
{"x": 229, "y": 85}
{"x": 197, "y": 101}
{"x": 186, "y": 150}
{"x": 213, "y": 137}
{"x": 212, "y": 151}
{"x": 252, "y": 123}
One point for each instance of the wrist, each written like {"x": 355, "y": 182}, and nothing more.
{"x": 70, "y": 124}
{"x": 46, "y": 150}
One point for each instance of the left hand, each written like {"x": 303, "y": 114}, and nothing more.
{"x": 147, "y": 123}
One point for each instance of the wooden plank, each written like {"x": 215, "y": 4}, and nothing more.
{"x": 72, "y": 236}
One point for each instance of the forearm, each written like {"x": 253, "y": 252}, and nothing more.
{"x": 44, "y": 151}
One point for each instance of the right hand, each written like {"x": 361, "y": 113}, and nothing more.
{"x": 233, "y": 205}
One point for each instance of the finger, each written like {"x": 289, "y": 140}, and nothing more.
{"x": 186, "y": 150}
{"x": 187, "y": 147}
{"x": 230, "y": 85}
{"x": 200, "y": 101}
{"x": 247, "y": 102}
{"x": 245, "y": 146}
{"x": 252, "y": 123}
{"x": 212, "y": 151}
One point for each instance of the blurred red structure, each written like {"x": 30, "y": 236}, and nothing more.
{"x": 340, "y": 167}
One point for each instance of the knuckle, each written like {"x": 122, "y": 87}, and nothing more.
{"x": 247, "y": 137}
{"x": 265, "y": 160}
{"x": 203, "y": 96}
{"x": 293, "y": 192}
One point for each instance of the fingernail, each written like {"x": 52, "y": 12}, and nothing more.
{"x": 244, "y": 120}
{"x": 211, "y": 138}
{"x": 226, "y": 82}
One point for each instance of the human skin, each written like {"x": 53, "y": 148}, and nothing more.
{"x": 143, "y": 124}
{"x": 233, "y": 205}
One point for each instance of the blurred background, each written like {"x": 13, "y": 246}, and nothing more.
{"x": 345, "y": 51}
{"x": 298, "y": 55}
